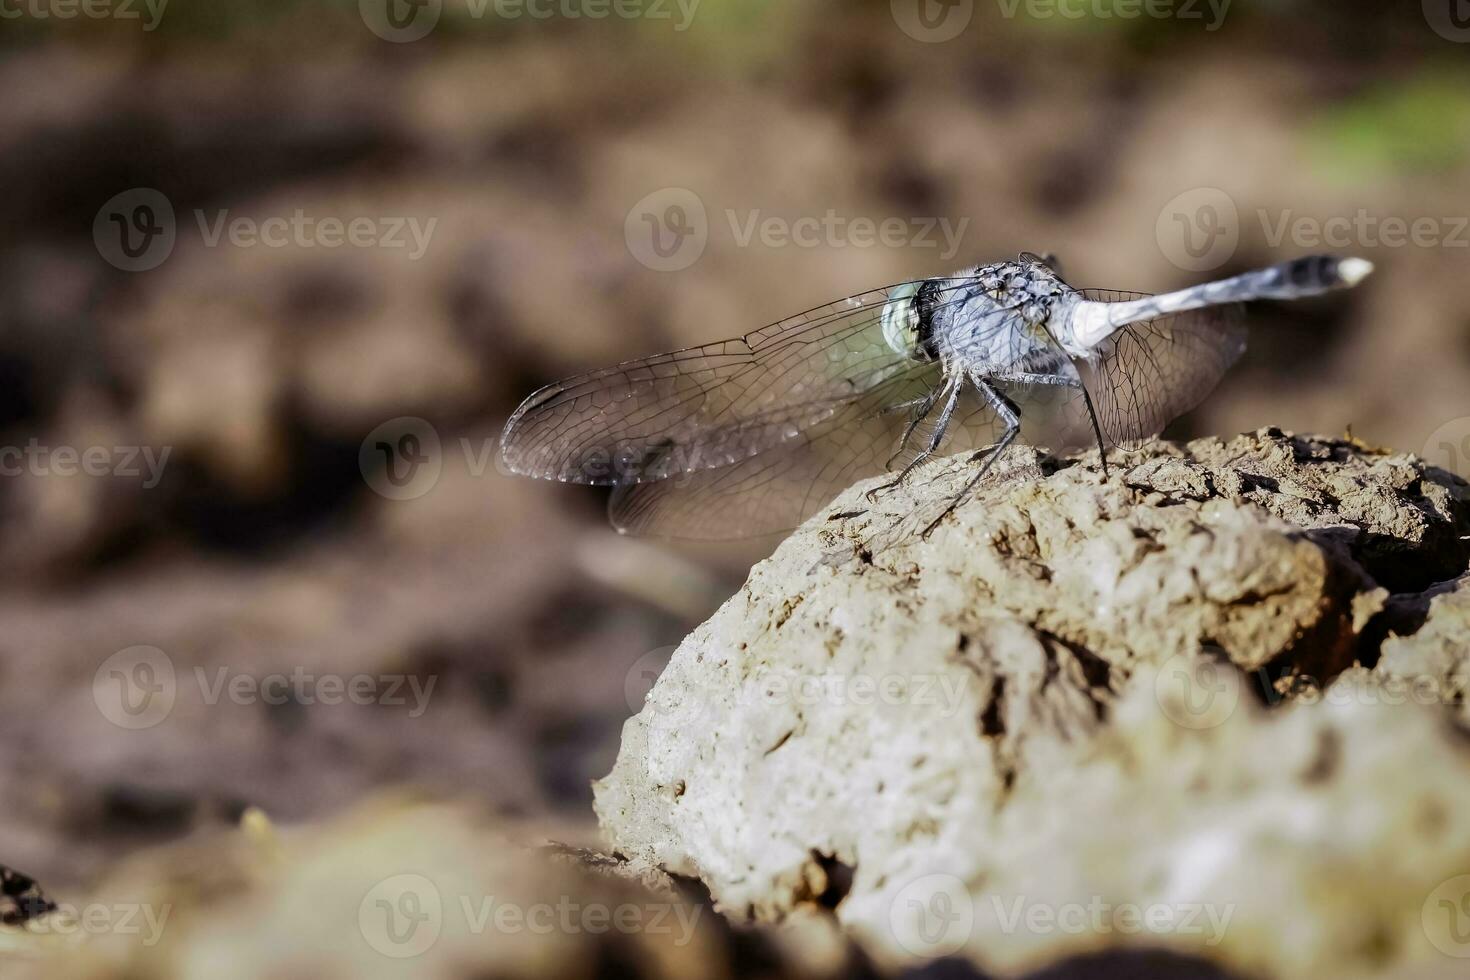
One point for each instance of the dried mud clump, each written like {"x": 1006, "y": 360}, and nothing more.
{"x": 1205, "y": 706}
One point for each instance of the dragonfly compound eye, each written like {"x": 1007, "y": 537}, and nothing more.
{"x": 901, "y": 321}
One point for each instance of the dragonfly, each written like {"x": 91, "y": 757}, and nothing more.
{"x": 753, "y": 436}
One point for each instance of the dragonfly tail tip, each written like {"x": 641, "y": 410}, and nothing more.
{"x": 1354, "y": 270}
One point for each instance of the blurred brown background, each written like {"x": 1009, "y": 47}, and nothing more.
{"x": 176, "y": 275}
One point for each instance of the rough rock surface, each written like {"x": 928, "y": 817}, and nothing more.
{"x": 1161, "y": 710}
{"x": 1432, "y": 663}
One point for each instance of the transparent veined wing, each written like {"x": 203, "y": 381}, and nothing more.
{"x": 1148, "y": 374}
{"x": 779, "y": 489}
{"x": 706, "y": 407}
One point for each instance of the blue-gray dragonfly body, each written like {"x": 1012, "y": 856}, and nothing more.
{"x": 753, "y": 435}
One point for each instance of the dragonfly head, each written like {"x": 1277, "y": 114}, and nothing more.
{"x": 901, "y": 322}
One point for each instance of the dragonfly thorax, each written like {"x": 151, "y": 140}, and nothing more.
{"x": 998, "y": 319}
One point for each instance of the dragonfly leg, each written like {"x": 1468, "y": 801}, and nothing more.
{"x": 952, "y": 397}
{"x": 923, "y": 406}
{"x": 1009, "y": 414}
{"x": 926, "y": 401}
{"x": 1102, "y": 449}
{"x": 1068, "y": 381}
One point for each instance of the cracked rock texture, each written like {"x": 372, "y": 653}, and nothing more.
{"x": 1207, "y": 705}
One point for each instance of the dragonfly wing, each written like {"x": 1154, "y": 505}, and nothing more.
{"x": 778, "y": 490}
{"x": 1148, "y": 374}
{"x": 704, "y": 407}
